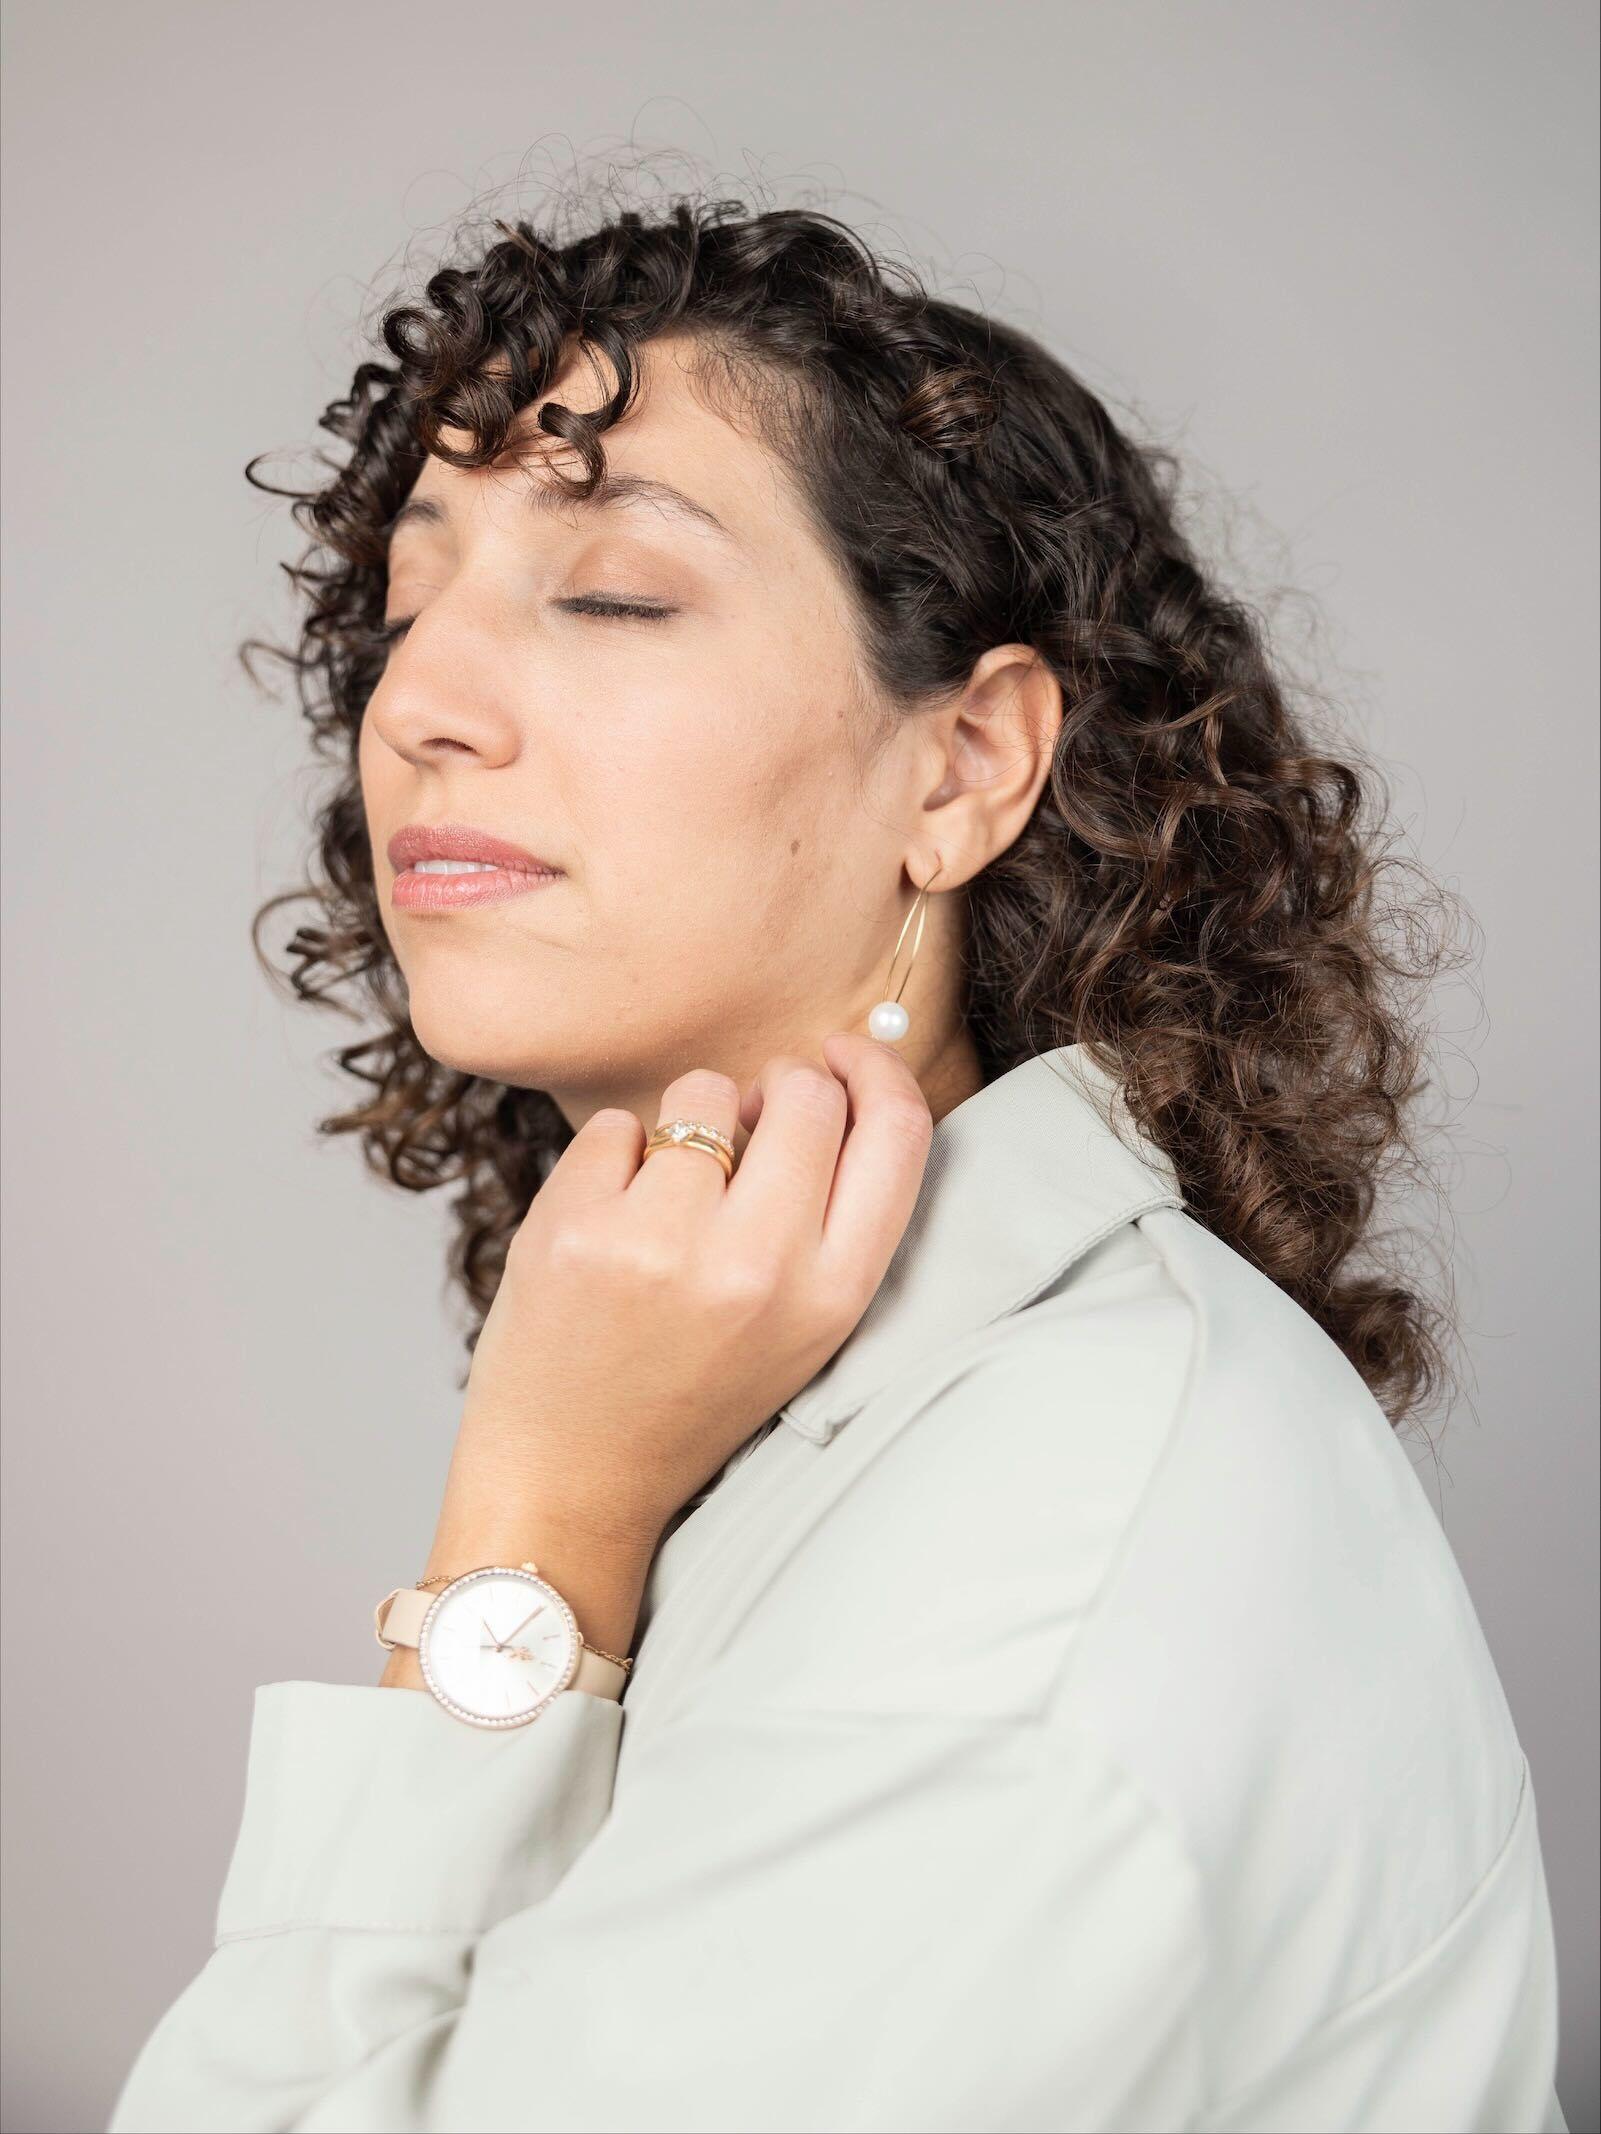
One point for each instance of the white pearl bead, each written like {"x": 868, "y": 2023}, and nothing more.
{"x": 889, "y": 1021}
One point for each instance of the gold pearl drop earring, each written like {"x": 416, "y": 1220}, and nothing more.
{"x": 889, "y": 1020}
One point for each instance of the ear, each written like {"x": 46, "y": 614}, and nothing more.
{"x": 992, "y": 752}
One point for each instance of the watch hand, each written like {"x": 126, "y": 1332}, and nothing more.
{"x": 528, "y": 1618}
{"x": 492, "y": 1638}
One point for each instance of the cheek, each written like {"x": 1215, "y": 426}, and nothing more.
{"x": 756, "y": 746}
{"x": 738, "y": 817}
{"x": 740, "y": 845}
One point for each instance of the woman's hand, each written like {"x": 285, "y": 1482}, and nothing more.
{"x": 652, "y": 1315}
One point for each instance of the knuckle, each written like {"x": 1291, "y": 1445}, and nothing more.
{"x": 705, "y": 1088}
{"x": 910, "y": 1116}
{"x": 846, "y": 1293}
{"x": 647, "y": 1262}
{"x": 748, "y": 1283}
{"x": 610, "y": 1119}
{"x": 570, "y": 1246}
{"x": 605, "y": 1254}
{"x": 806, "y": 1083}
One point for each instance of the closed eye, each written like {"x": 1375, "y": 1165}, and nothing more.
{"x": 580, "y": 604}
{"x": 599, "y": 604}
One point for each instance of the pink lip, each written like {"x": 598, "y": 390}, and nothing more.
{"x": 515, "y": 871}
{"x": 460, "y": 841}
{"x": 455, "y": 892}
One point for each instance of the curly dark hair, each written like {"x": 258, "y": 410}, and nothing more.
{"x": 1196, "y": 896}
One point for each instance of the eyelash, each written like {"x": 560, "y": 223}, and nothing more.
{"x": 581, "y": 604}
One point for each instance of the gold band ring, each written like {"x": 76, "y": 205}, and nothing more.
{"x": 693, "y": 1134}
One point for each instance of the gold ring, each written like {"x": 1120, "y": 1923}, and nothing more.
{"x": 693, "y": 1134}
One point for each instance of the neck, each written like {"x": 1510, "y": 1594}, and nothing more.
{"x": 953, "y": 1075}
{"x": 947, "y": 1070}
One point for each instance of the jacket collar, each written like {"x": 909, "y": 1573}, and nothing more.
{"x": 1021, "y": 1179}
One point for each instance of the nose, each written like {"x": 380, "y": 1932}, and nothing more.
{"x": 443, "y": 693}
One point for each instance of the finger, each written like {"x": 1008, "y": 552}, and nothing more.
{"x": 787, "y": 1168}
{"x": 687, "y": 1176}
{"x": 880, "y": 1168}
{"x": 599, "y": 1162}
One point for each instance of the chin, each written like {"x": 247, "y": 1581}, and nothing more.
{"x": 521, "y": 1048}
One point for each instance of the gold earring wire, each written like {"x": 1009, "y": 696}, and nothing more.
{"x": 889, "y": 1021}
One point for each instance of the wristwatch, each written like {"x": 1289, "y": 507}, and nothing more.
{"x": 497, "y": 1646}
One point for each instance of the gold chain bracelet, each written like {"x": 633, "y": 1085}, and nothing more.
{"x": 445, "y": 1578}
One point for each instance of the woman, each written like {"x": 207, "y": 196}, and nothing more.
{"x": 930, "y": 1623}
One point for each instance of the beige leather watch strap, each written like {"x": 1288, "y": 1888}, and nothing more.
{"x": 398, "y": 1620}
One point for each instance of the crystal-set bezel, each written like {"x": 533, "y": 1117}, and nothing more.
{"x": 462, "y": 1711}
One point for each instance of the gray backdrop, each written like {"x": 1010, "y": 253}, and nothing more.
{"x": 1341, "y": 254}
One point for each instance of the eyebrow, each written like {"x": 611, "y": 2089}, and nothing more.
{"x": 617, "y": 492}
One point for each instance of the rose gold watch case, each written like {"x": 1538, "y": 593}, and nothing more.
{"x": 575, "y": 1646}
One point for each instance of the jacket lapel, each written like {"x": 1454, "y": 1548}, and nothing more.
{"x": 1022, "y": 1179}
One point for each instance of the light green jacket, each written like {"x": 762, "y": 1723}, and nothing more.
{"x": 1066, "y": 1713}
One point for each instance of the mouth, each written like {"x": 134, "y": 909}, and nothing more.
{"x": 452, "y": 867}
{"x": 419, "y": 889}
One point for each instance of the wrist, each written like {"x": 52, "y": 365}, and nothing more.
{"x": 501, "y": 1481}
{"x": 402, "y": 1670}
{"x": 601, "y": 1578}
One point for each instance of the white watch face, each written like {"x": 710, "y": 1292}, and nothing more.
{"x": 497, "y": 1646}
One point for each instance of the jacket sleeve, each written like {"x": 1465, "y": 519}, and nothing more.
{"x": 380, "y": 1839}
{"x": 770, "y": 1917}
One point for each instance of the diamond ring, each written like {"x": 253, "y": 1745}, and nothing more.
{"x": 693, "y": 1133}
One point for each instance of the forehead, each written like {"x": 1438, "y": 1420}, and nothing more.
{"x": 674, "y": 464}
